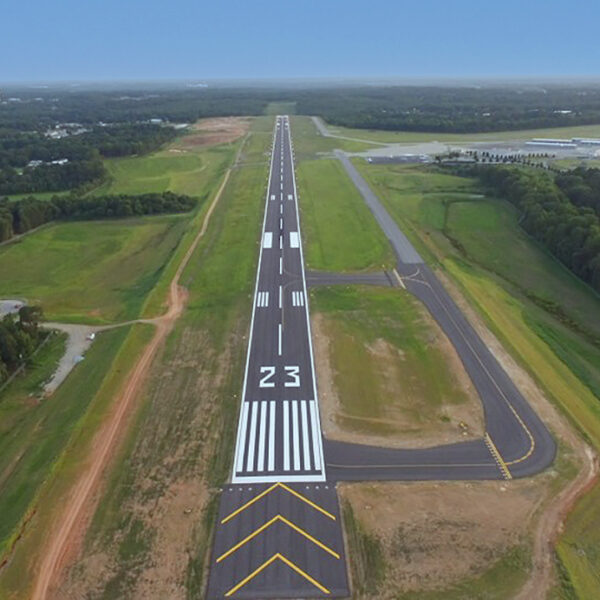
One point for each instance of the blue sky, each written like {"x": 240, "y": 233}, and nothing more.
{"x": 41, "y": 40}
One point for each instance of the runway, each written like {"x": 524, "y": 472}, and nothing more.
{"x": 278, "y": 532}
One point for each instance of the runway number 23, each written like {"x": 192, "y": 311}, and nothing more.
{"x": 292, "y": 374}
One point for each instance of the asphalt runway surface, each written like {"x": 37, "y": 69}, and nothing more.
{"x": 278, "y": 533}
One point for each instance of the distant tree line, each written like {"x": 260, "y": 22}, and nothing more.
{"x": 452, "y": 109}
{"x": 556, "y": 210}
{"x": 18, "y": 217}
{"x": 19, "y": 337}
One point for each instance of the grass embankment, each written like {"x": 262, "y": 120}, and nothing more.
{"x": 413, "y": 137}
{"x": 30, "y": 497}
{"x": 51, "y": 439}
{"x": 394, "y": 373}
{"x": 339, "y": 231}
{"x": 156, "y": 515}
{"x": 544, "y": 316}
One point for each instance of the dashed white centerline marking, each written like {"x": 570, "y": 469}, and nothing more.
{"x": 279, "y": 340}
{"x": 281, "y": 265}
{"x": 279, "y": 296}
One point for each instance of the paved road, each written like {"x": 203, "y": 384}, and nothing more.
{"x": 516, "y": 440}
{"x": 279, "y": 533}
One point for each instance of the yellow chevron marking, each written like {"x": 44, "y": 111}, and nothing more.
{"x": 262, "y": 567}
{"x": 268, "y": 524}
{"x": 268, "y": 491}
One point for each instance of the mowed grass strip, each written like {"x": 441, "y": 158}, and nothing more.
{"x": 93, "y": 271}
{"x": 339, "y": 231}
{"x": 390, "y": 371}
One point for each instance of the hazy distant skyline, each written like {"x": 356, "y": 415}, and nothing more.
{"x": 149, "y": 40}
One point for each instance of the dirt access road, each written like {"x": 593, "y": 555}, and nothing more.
{"x": 60, "y": 540}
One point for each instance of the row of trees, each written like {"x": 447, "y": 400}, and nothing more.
{"x": 570, "y": 231}
{"x": 19, "y": 337}
{"x": 18, "y": 217}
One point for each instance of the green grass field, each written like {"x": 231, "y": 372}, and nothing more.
{"x": 309, "y": 145}
{"x": 410, "y": 137}
{"x": 390, "y": 371}
{"x": 339, "y": 232}
{"x": 541, "y": 313}
{"x": 95, "y": 271}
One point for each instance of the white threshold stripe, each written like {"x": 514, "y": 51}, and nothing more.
{"x": 250, "y": 459}
{"x": 295, "y": 435}
{"x": 260, "y": 466}
{"x": 286, "y": 435}
{"x": 268, "y": 239}
{"x": 314, "y": 425}
{"x": 239, "y": 459}
{"x": 294, "y": 239}
{"x": 305, "y": 444}
{"x": 271, "y": 460}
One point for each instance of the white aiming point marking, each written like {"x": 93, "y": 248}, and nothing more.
{"x": 262, "y": 299}
{"x": 268, "y": 239}
{"x": 294, "y": 239}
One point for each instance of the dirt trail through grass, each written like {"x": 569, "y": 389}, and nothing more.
{"x": 70, "y": 525}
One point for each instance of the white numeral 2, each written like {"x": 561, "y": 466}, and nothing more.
{"x": 267, "y": 373}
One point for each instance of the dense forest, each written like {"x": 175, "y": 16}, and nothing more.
{"x": 19, "y": 337}
{"x": 18, "y": 217}
{"x": 559, "y": 211}
{"x": 454, "y": 110}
